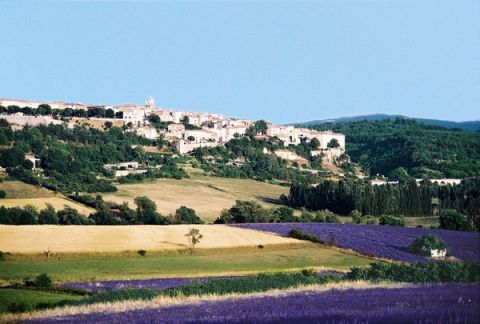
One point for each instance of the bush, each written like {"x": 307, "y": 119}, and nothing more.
{"x": 442, "y": 271}
{"x": 391, "y": 220}
{"x": 261, "y": 282}
{"x": 142, "y": 252}
{"x": 453, "y": 220}
{"x": 301, "y": 235}
{"x": 332, "y": 219}
{"x": 20, "y": 306}
{"x": 425, "y": 243}
{"x": 43, "y": 281}
{"x": 3, "y": 255}
{"x": 3, "y": 194}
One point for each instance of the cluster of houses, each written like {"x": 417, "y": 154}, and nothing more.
{"x": 210, "y": 129}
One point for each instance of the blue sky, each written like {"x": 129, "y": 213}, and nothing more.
{"x": 281, "y": 61}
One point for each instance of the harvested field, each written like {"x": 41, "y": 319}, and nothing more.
{"x": 78, "y": 239}
{"x": 20, "y": 194}
{"x": 207, "y": 195}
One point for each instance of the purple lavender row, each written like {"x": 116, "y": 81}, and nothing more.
{"x": 389, "y": 242}
{"x": 161, "y": 283}
{"x": 441, "y": 303}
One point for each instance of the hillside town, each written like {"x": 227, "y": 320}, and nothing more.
{"x": 186, "y": 130}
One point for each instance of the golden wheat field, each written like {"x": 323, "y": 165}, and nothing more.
{"x": 207, "y": 195}
{"x": 78, "y": 239}
{"x": 20, "y": 194}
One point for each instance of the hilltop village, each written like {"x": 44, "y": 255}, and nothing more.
{"x": 186, "y": 130}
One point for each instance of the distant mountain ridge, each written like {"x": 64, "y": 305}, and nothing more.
{"x": 466, "y": 125}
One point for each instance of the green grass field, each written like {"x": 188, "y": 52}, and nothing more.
{"x": 215, "y": 262}
{"x": 32, "y": 297}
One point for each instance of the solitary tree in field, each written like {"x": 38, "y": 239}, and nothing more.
{"x": 193, "y": 237}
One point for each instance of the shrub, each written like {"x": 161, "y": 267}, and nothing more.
{"x": 307, "y": 217}
{"x": 43, "y": 281}
{"x": 332, "y": 241}
{"x": 442, "y": 271}
{"x": 260, "y": 246}
{"x": 425, "y": 243}
{"x": 301, "y": 235}
{"x": 20, "y": 306}
{"x": 3, "y": 255}
{"x": 142, "y": 252}
{"x": 391, "y": 220}
{"x": 453, "y": 220}
{"x": 261, "y": 282}
{"x": 332, "y": 219}
{"x": 356, "y": 216}
{"x": 3, "y": 194}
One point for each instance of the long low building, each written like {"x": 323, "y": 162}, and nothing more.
{"x": 5, "y": 102}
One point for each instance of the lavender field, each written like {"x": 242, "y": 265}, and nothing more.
{"x": 390, "y": 242}
{"x": 441, "y": 303}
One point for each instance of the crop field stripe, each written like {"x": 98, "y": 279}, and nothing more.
{"x": 159, "y": 266}
{"x": 79, "y": 238}
{"x": 164, "y": 301}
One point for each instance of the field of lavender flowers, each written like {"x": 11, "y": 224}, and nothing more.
{"x": 389, "y": 242}
{"x": 440, "y": 303}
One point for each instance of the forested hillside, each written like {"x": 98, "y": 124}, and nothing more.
{"x": 71, "y": 160}
{"x": 424, "y": 151}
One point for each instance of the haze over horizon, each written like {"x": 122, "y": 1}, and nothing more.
{"x": 292, "y": 62}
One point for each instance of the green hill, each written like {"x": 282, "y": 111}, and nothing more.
{"x": 466, "y": 125}
{"x": 431, "y": 151}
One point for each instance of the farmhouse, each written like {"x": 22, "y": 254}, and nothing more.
{"x": 125, "y": 168}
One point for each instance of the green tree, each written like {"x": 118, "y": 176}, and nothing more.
{"x": 70, "y": 216}
{"x": 261, "y": 126}
{"x": 425, "y": 243}
{"x": 109, "y": 113}
{"x": 193, "y": 236}
{"x": 314, "y": 144}
{"x": 48, "y": 215}
{"x": 453, "y": 220}
{"x": 333, "y": 143}
{"x": 185, "y": 215}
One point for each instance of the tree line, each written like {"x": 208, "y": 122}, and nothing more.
{"x": 46, "y": 110}
{"x": 105, "y": 214}
{"x": 405, "y": 198}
